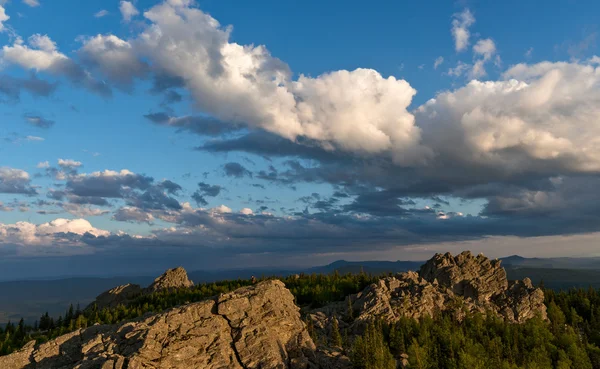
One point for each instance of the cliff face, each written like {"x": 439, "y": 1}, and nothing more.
{"x": 253, "y": 327}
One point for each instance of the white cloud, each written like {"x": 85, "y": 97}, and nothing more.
{"x": 128, "y": 10}
{"x": 32, "y": 3}
{"x": 358, "y": 110}
{"x": 34, "y": 138}
{"x": 438, "y": 61}
{"x": 246, "y": 211}
{"x": 40, "y": 55}
{"x": 221, "y": 209}
{"x": 101, "y": 13}
{"x": 69, "y": 163}
{"x": 485, "y": 49}
{"x": 544, "y": 118}
{"x": 114, "y": 57}
{"x": 43, "y": 165}
{"x": 3, "y": 18}
{"x": 27, "y": 234}
{"x": 459, "y": 70}
{"x": 460, "y": 29}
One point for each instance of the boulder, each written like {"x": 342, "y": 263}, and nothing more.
{"x": 253, "y": 327}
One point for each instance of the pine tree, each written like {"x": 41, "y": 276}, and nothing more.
{"x": 336, "y": 337}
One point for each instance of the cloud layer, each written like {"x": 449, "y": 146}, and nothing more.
{"x": 523, "y": 148}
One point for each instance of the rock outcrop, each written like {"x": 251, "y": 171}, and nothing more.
{"x": 458, "y": 284}
{"x": 169, "y": 280}
{"x": 114, "y": 297}
{"x": 122, "y": 295}
{"x": 253, "y": 327}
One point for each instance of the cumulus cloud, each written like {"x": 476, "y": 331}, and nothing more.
{"x": 128, "y": 10}
{"x": 133, "y": 214}
{"x": 110, "y": 184}
{"x": 48, "y": 237}
{"x": 69, "y": 163}
{"x": 15, "y": 181}
{"x": 114, "y": 58}
{"x": 460, "y": 29}
{"x": 483, "y": 52}
{"x": 438, "y": 61}
{"x": 236, "y": 170}
{"x": 246, "y": 211}
{"x": 358, "y": 111}
{"x": 204, "y": 190}
{"x": 13, "y": 86}
{"x": 41, "y": 54}
{"x": 3, "y": 18}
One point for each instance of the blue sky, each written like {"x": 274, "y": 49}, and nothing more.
{"x": 296, "y": 131}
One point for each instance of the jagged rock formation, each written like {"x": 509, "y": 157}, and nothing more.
{"x": 260, "y": 326}
{"x": 117, "y": 296}
{"x": 460, "y": 284}
{"x": 253, "y": 327}
{"x": 169, "y": 280}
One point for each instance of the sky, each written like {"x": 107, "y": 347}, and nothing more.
{"x": 136, "y": 136}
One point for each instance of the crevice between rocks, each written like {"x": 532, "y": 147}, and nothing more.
{"x": 231, "y": 328}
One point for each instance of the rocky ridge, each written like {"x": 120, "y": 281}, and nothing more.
{"x": 260, "y": 326}
{"x": 171, "y": 279}
{"x": 253, "y": 327}
{"x": 458, "y": 284}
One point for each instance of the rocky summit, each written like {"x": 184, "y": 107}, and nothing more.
{"x": 260, "y": 326}
{"x": 456, "y": 284}
{"x": 254, "y": 327}
{"x": 171, "y": 279}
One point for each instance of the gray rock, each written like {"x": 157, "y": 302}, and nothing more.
{"x": 457, "y": 284}
{"x": 171, "y": 279}
{"x": 116, "y": 296}
{"x": 253, "y": 327}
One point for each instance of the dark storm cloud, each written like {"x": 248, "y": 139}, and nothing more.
{"x": 170, "y": 186}
{"x": 204, "y": 126}
{"x": 107, "y": 184}
{"x": 153, "y": 199}
{"x": 236, "y": 170}
{"x": 12, "y": 87}
{"x": 269, "y": 145}
{"x": 15, "y": 181}
{"x": 205, "y": 189}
